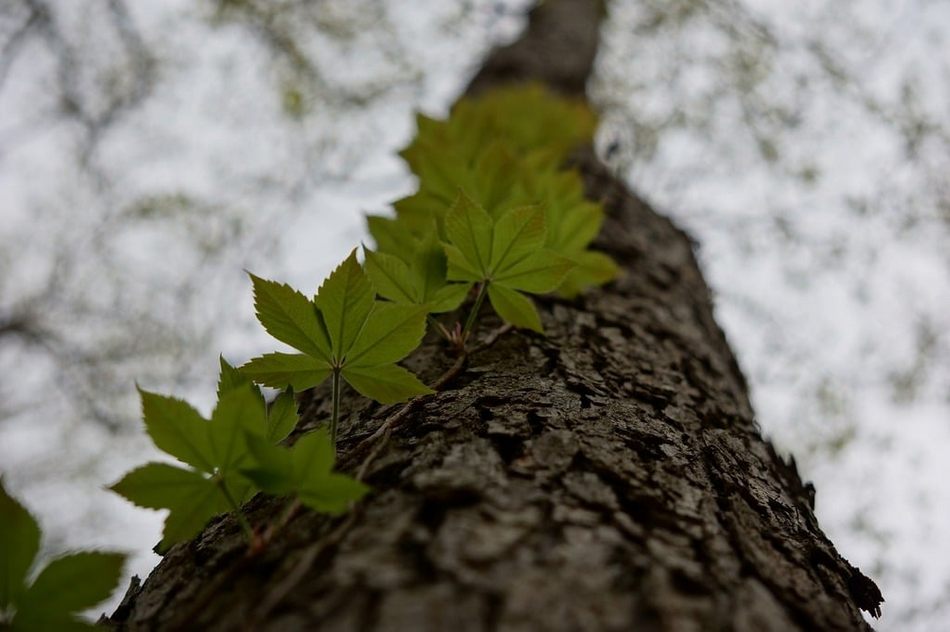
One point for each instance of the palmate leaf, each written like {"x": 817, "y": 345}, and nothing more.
{"x": 507, "y": 254}
{"x": 215, "y": 449}
{"x": 305, "y": 469}
{"x": 419, "y": 279}
{"x": 367, "y": 337}
{"x": 64, "y": 587}
{"x": 506, "y": 149}
{"x": 191, "y": 497}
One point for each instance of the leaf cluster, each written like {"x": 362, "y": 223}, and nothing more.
{"x": 497, "y": 153}
{"x": 218, "y": 457}
{"x": 496, "y": 214}
{"x": 63, "y": 588}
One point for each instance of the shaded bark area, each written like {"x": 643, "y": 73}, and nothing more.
{"x": 608, "y": 476}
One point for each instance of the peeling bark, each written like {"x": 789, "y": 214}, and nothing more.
{"x": 608, "y": 476}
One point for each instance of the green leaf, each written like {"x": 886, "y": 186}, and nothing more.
{"x": 518, "y": 233}
{"x": 426, "y": 125}
{"x": 280, "y": 370}
{"x": 592, "y": 268}
{"x": 192, "y": 498}
{"x": 578, "y": 226}
{"x": 387, "y": 384}
{"x": 469, "y": 228}
{"x": 238, "y": 411}
{"x": 391, "y": 276}
{"x": 460, "y": 267}
{"x": 200, "y": 501}
{"x": 304, "y": 469}
{"x": 319, "y": 488}
{"x": 73, "y": 583}
{"x": 229, "y": 378}
{"x": 416, "y": 214}
{"x": 290, "y": 317}
{"x": 333, "y": 494}
{"x": 313, "y": 455}
{"x": 364, "y": 333}
{"x": 158, "y": 485}
{"x": 345, "y": 300}
{"x": 449, "y": 297}
{"x": 391, "y": 235}
{"x": 530, "y": 117}
{"x": 428, "y": 266}
{"x": 514, "y": 308}
{"x": 178, "y": 429}
{"x": 391, "y": 332}
{"x": 419, "y": 279}
{"x": 282, "y": 416}
{"x": 515, "y": 254}
{"x": 19, "y": 543}
{"x": 217, "y": 448}
{"x": 492, "y": 177}
{"x": 271, "y": 468}
{"x": 537, "y": 273}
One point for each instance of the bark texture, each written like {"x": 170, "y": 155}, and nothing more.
{"x": 609, "y": 476}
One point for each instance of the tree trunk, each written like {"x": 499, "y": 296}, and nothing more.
{"x": 608, "y": 476}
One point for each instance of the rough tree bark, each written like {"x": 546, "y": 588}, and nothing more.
{"x": 609, "y": 476}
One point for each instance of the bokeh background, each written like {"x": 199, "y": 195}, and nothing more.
{"x": 151, "y": 151}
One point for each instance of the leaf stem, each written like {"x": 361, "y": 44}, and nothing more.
{"x": 335, "y": 414}
{"x": 473, "y": 315}
{"x": 242, "y": 519}
{"x": 439, "y": 327}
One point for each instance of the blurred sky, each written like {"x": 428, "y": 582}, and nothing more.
{"x": 149, "y": 152}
